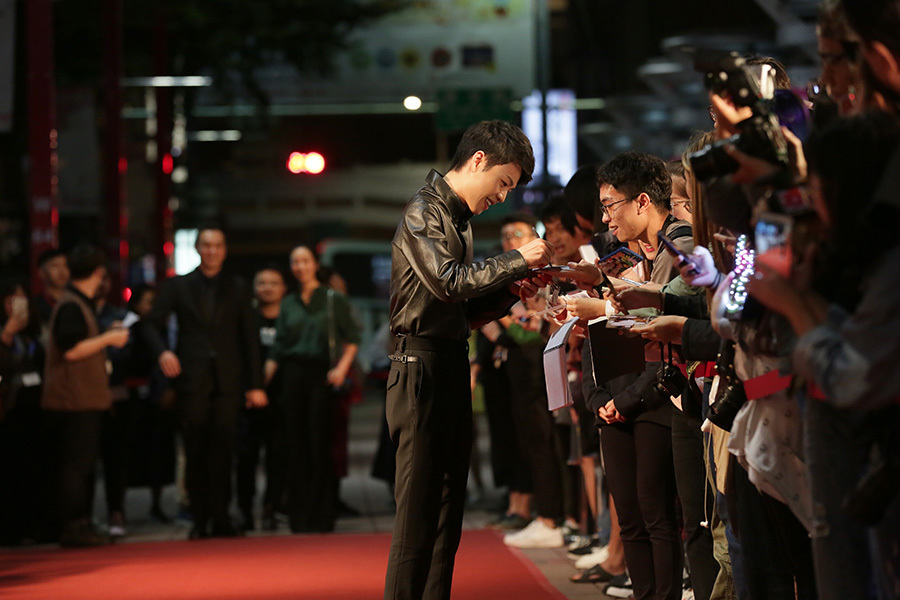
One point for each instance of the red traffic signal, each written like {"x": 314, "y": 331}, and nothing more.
{"x": 306, "y": 162}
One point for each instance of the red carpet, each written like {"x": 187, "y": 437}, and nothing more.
{"x": 258, "y": 568}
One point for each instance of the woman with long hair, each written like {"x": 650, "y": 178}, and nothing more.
{"x": 316, "y": 341}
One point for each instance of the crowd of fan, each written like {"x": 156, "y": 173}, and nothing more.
{"x": 754, "y": 454}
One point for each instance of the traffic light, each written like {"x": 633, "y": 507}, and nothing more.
{"x": 306, "y": 162}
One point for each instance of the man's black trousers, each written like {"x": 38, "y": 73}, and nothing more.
{"x": 429, "y": 413}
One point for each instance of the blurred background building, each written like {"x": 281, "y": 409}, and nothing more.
{"x": 129, "y": 123}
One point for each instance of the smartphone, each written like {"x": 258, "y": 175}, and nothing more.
{"x": 619, "y": 260}
{"x": 672, "y": 249}
{"x": 772, "y": 239}
{"x": 608, "y": 284}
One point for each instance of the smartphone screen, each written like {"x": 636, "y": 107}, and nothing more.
{"x": 771, "y": 237}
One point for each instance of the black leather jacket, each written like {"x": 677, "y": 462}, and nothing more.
{"x": 436, "y": 291}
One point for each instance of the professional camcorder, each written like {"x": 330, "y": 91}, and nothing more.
{"x": 728, "y": 75}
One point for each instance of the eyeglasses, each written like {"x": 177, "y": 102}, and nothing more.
{"x": 686, "y": 203}
{"x": 517, "y": 234}
{"x": 604, "y": 208}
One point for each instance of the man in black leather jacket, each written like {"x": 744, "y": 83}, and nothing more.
{"x": 437, "y": 297}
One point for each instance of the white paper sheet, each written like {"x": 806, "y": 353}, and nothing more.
{"x": 555, "y": 372}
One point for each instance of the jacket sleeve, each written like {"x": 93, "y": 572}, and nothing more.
{"x": 157, "y": 320}
{"x": 630, "y": 401}
{"x": 487, "y": 308}
{"x": 279, "y": 346}
{"x": 250, "y": 335}
{"x": 699, "y": 341}
{"x": 426, "y": 247}
{"x": 853, "y": 357}
{"x": 594, "y": 396}
{"x": 687, "y": 306}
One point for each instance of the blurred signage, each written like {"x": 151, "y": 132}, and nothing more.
{"x": 459, "y": 107}
{"x": 562, "y": 157}
{"x": 433, "y": 45}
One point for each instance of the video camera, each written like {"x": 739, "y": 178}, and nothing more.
{"x": 727, "y": 74}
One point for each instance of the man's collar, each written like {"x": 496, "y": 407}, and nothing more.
{"x": 459, "y": 211}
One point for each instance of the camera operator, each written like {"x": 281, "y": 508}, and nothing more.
{"x": 766, "y": 435}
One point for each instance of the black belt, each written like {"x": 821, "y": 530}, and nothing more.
{"x": 405, "y": 343}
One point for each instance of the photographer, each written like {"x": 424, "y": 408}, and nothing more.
{"x": 766, "y": 435}
{"x": 853, "y": 364}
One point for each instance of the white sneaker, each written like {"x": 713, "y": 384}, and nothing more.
{"x": 599, "y": 555}
{"x": 536, "y": 535}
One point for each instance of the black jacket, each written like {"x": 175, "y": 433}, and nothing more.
{"x": 436, "y": 290}
{"x": 228, "y": 340}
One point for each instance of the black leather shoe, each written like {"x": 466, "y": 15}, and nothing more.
{"x": 225, "y": 530}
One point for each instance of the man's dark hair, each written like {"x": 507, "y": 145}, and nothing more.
{"x": 876, "y": 21}
{"x": 581, "y": 191}
{"x": 48, "y": 255}
{"x": 211, "y": 225}
{"x": 270, "y": 266}
{"x": 502, "y": 143}
{"x": 84, "y": 259}
{"x": 782, "y": 80}
{"x": 558, "y": 208}
{"x": 633, "y": 173}
{"x": 519, "y": 217}
{"x": 137, "y": 294}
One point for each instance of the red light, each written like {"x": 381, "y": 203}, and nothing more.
{"x": 167, "y": 163}
{"x": 312, "y": 162}
{"x": 315, "y": 163}
{"x": 123, "y": 248}
{"x": 126, "y": 294}
{"x": 168, "y": 248}
{"x": 123, "y": 165}
{"x": 296, "y": 162}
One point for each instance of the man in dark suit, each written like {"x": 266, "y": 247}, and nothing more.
{"x": 215, "y": 359}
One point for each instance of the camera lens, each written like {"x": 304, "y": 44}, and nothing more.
{"x": 723, "y": 411}
{"x": 712, "y": 161}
